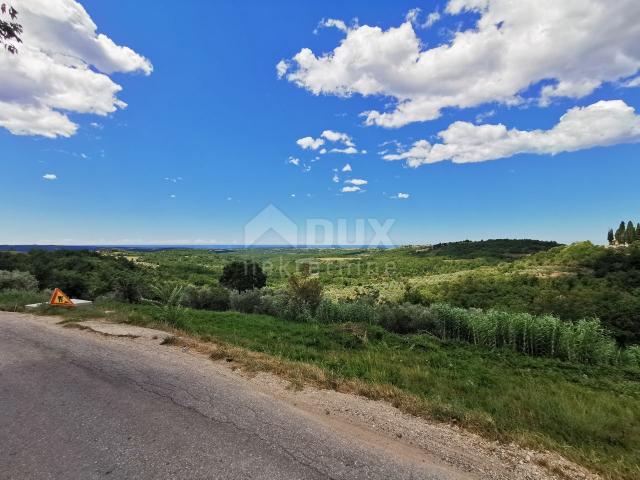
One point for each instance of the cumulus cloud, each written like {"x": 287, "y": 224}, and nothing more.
{"x": 294, "y": 161}
{"x": 332, "y": 137}
{"x": 63, "y": 66}
{"x": 402, "y": 196}
{"x": 338, "y": 137}
{"x": 50, "y": 176}
{"x": 346, "y": 168}
{"x": 346, "y": 151}
{"x": 351, "y": 189}
{"x": 310, "y": 143}
{"x": 600, "y": 124}
{"x": 573, "y": 45}
{"x": 356, "y": 181}
{"x": 281, "y": 68}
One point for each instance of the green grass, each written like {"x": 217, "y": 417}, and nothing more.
{"x": 15, "y": 300}
{"x": 587, "y": 413}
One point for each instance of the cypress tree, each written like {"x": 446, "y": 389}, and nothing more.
{"x": 610, "y": 237}
{"x": 619, "y": 236}
{"x": 630, "y": 233}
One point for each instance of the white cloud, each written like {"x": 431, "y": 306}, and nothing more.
{"x": 338, "y": 137}
{"x": 62, "y": 67}
{"x": 432, "y": 18}
{"x": 346, "y": 168}
{"x": 332, "y": 22}
{"x": 351, "y": 189}
{"x": 574, "y": 45}
{"x": 356, "y": 181}
{"x": 281, "y": 68}
{"x": 481, "y": 117}
{"x": 634, "y": 82}
{"x": 335, "y": 178}
{"x": 413, "y": 17}
{"x": 329, "y": 136}
{"x": 402, "y": 196}
{"x": 346, "y": 151}
{"x": 310, "y": 143}
{"x": 294, "y": 161}
{"x": 600, "y": 124}
{"x": 50, "y": 176}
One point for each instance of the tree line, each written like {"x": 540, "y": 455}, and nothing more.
{"x": 625, "y": 234}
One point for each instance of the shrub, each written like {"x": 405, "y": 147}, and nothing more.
{"x": 206, "y": 297}
{"x": 168, "y": 297}
{"x": 243, "y": 276}
{"x": 359, "y": 311}
{"x": 246, "y": 302}
{"x": 128, "y": 288}
{"x": 405, "y": 318}
{"x": 273, "y": 303}
{"x": 17, "y": 280}
{"x": 297, "y": 310}
{"x": 305, "y": 289}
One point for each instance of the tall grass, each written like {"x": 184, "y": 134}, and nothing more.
{"x": 585, "y": 341}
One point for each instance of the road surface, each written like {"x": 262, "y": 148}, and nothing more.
{"x": 77, "y": 405}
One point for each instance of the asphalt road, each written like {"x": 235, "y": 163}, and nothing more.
{"x": 77, "y": 405}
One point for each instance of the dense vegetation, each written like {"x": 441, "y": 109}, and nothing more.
{"x": 479, "y": 332}
{"x": 80, "y": 274}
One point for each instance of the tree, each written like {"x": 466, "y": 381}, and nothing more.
{"x": 10, "y": 30}
{"x": 629, "y": 233}
{"x": 304, "y": 288}
{"x": 619, "y": 235}
{"x": 243, "y": 276}
{"x": 610, "y": 236}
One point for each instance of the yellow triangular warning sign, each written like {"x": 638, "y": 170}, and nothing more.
{"x": 60, "y": 299}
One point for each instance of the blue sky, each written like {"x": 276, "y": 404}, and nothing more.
{"x": 205, "y": 141}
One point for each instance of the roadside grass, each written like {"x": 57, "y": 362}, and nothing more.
{"x": 15, "y": 300}
{"x": 589, "y": 414}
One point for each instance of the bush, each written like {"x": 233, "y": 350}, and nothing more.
{"x": 405, "y": 318}
{"x": 297, "y": 310}
{"x": 246, "y": 302}
{"x": 17, "y": 280}
{"x": 304, "y": 289}
{"x": 207, "y": 297}
{"x": 128, "y": 288}
{"x": 243, "y": 276}
{"x": 168, "y": 297}
{"x": 359, "y": 311}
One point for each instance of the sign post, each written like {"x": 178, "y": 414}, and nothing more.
{"x": 60, "y": 299}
